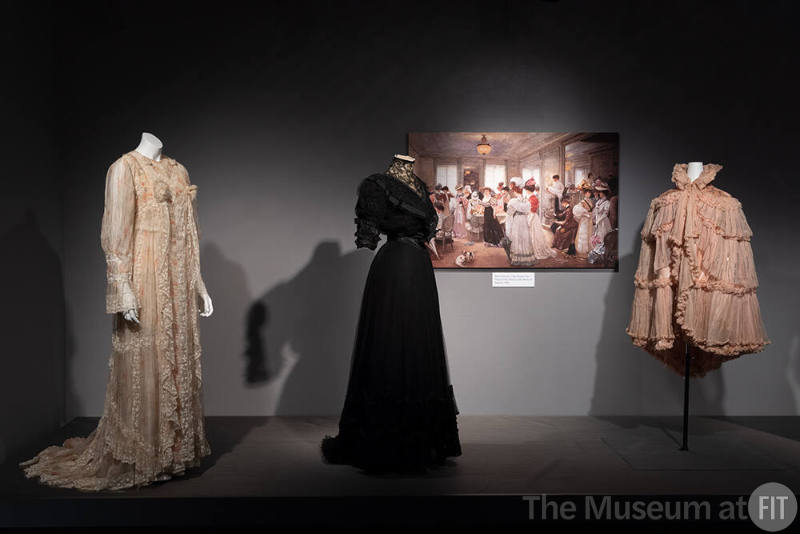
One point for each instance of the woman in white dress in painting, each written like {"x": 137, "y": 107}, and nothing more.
{"x": 459, "y": 214}
{"x": 521, "y": 248}
{"x": 515, "y": 183}
{"x": 601, "y": 223}
{"x": 541, "y": 249}
{"x": 583, "y": 214}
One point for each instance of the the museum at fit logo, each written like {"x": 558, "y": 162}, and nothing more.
{"x": 771, "y": 507}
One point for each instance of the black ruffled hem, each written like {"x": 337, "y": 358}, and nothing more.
{"x": 396, "y": 436}
{"x": 386, "y": 454}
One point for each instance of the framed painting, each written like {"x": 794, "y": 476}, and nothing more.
{"x": 521, "y": 200}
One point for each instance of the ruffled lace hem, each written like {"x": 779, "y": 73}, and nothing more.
{"x": 102, "y": 462}
{"x": 657, "y": 343}
{"x": 718, "y": 286}
{"x": 727, "y": 350}
{"x": 700, "y": 364}
{"x": 726, "y": 324}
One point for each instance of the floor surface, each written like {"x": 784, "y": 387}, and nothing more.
{"x": 279, "y": 456}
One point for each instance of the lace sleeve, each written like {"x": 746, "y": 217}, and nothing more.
{"x": 200, "y": 286}
{"x": 370, "y": 210}
{"x": 116, "y": 237}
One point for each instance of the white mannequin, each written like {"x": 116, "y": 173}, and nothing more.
{"x": 150, "y": 147}
{"x": 694, "y": 169}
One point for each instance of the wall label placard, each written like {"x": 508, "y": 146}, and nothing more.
{"x": 512, "y": 279}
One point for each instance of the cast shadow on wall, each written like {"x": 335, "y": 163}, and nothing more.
{"x": 221, "y": 340}
{"x": 625, "y": 372}
{"x": 300, "y": 332}
{"x": 33, "y": 316}
{"x": 226, "y": 281}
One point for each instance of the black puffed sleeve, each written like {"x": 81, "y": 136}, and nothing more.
{"x": 371, "y": 208}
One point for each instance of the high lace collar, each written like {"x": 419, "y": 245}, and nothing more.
{"x": 403, "y": 171}
{"x": 681, "y": 178}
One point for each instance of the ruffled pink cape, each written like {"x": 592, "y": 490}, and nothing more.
{"x": 696, "y": 281}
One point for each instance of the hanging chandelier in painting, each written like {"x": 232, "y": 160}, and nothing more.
{"x": 484, "y": 147}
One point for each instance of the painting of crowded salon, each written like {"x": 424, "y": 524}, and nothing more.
{"x": 521, "y": 200}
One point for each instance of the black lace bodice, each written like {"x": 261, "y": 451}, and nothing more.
{"x": 388, "y": 206}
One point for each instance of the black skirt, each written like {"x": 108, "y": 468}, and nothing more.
{"x": 492, "y": 230}
{"x": 399, "y": 412}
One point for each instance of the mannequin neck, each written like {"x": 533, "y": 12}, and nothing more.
{"x": 150, "y": 146}
{"x": 694, "y": 169}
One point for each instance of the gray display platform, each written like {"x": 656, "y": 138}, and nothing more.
{"x": 280, "y": 457}
{"x": 651, "y": 448}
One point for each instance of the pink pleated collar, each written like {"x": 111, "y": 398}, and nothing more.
{"x": 681, "y": 179}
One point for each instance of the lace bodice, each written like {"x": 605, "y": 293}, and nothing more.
{"x": 143, "y": 195}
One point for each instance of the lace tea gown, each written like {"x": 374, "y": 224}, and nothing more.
{"x": 152, "y": 424}
{"x": 399, "y": 412}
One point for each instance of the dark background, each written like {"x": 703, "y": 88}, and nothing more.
{"x": 278, "y": 109}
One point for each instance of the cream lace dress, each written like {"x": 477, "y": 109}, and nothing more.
{"x": 152, "y": 425}
{"x": 696, "y": 280}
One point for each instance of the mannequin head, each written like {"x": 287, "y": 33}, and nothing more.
{"x": 694, "y": 169}
{"x": 150, "y": 146}
{"x": 152, "y": 139}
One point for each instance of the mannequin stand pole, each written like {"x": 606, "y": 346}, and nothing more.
{"x": 687, "y": 359}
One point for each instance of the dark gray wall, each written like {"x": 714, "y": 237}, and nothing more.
{"x": 279, "y": 111}
{"x": 32, "y": 316}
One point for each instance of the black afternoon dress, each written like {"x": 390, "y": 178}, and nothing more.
{"x": 399, "y": 413}
{"x": 492, "y": 230}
